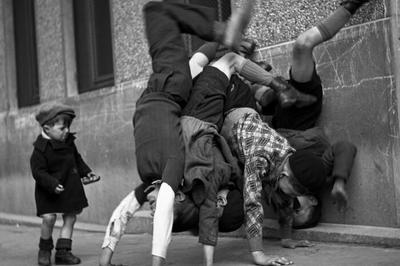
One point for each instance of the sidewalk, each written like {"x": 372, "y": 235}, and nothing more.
{"x": 19, "y": 248}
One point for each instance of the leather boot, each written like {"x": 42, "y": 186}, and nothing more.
{"x": 353, "y": 5}
{"x": 288, "y": 95}
{"x": 247, "y": 48}
{"x": 63, "y": 253}
{"x": 44, "y": 255}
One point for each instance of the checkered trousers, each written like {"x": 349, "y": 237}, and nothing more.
{"x": 261, "y": 150}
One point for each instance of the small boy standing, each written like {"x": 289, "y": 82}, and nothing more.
{"x": 59, "y": 172}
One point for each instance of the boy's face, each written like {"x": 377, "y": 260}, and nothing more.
{"x": 153, "y": 195}
{"x": 302, "y": 214}
{"x": 59, "y": 131}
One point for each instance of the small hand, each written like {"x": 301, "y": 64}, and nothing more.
{"x": 291, "y": 243}
{"x": 59, "y": 189}
{"x": 90, "y": 178}
{"x": 222, "y": 197}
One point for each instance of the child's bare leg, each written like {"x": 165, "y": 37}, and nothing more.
{"x": 46, "y": 240}
{"x": 68, "y": 225}
{"x": 117, "y": 225}
{"x": 46, "y": 229}
{"x": 228, "y": 63}
{"x": 302, "y": 54}
{"x": 64, "y": 243}
{"x": 302, "y": 67}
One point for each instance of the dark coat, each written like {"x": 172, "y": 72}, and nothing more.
{"x": 53, "y": 163}
{"x": 209, "y": 167}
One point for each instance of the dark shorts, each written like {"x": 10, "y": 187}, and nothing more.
{"x": 239, "y": 95}
{"x": 305, "y": 117}
{"x": 207, "y": 99}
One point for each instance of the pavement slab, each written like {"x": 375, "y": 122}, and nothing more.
{"x": 19, "y": 244}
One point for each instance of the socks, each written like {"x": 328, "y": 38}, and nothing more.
{"x": 63, "y": 243}
{"x": 334, "y": 23}
{"x": 254, "y": 73}
{"x": 46, "y": 244}
{"x": 209, "y": 49}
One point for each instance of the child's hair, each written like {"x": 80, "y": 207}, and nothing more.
{"x": 312, "y": 219}
{"x": 67, "y": 119}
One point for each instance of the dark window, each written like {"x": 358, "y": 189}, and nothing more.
{"x": 25, "y": 53}
{"x": 223, "y": 9}
{"x": 93, "y": 44}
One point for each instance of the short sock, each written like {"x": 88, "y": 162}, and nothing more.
{"x": 334, "y": 23}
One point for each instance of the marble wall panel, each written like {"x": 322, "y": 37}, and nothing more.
{"x": 359, "y": 106}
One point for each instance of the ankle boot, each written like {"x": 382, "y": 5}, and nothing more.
{"x": 247, "y": 48}
{"x": 288, "y": 95}
{"x": 44, "y": 255}
{"x": 353, "y": 5}
{"x": 63, "y": 253}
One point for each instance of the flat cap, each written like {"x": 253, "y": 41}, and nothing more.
{"x": 50, "y": 111}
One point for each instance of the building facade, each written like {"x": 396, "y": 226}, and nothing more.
{"x": 93, "y": 56}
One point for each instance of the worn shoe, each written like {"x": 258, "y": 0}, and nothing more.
{"x": 65, "y": 257}
{"x": 288, "y": 95}
{"x": 247, "y": 48}
{"x": 353, "y": 5}
{"x": 44, "y": 257}
{"x": 236, "y": 25}
{"x": 266, "y": 66}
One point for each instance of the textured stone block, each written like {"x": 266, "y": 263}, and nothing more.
{"x": 277, "y": 21}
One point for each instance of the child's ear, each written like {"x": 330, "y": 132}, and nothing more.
{"x": 46, "y": 128}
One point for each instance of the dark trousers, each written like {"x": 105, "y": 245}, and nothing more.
{"x": 208, "y": 96}
{"x": 157, "y": 130}
{"x": 164, "y": 24}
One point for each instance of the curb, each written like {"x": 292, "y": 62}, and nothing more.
{"x": 324, "y": 232}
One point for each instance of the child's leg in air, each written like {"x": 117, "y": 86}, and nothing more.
{"x": 302, "y": 57}
{"x": 64, "y": 243}
{"x": 286, "y": 93}
{"x": 46, "y": 240}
